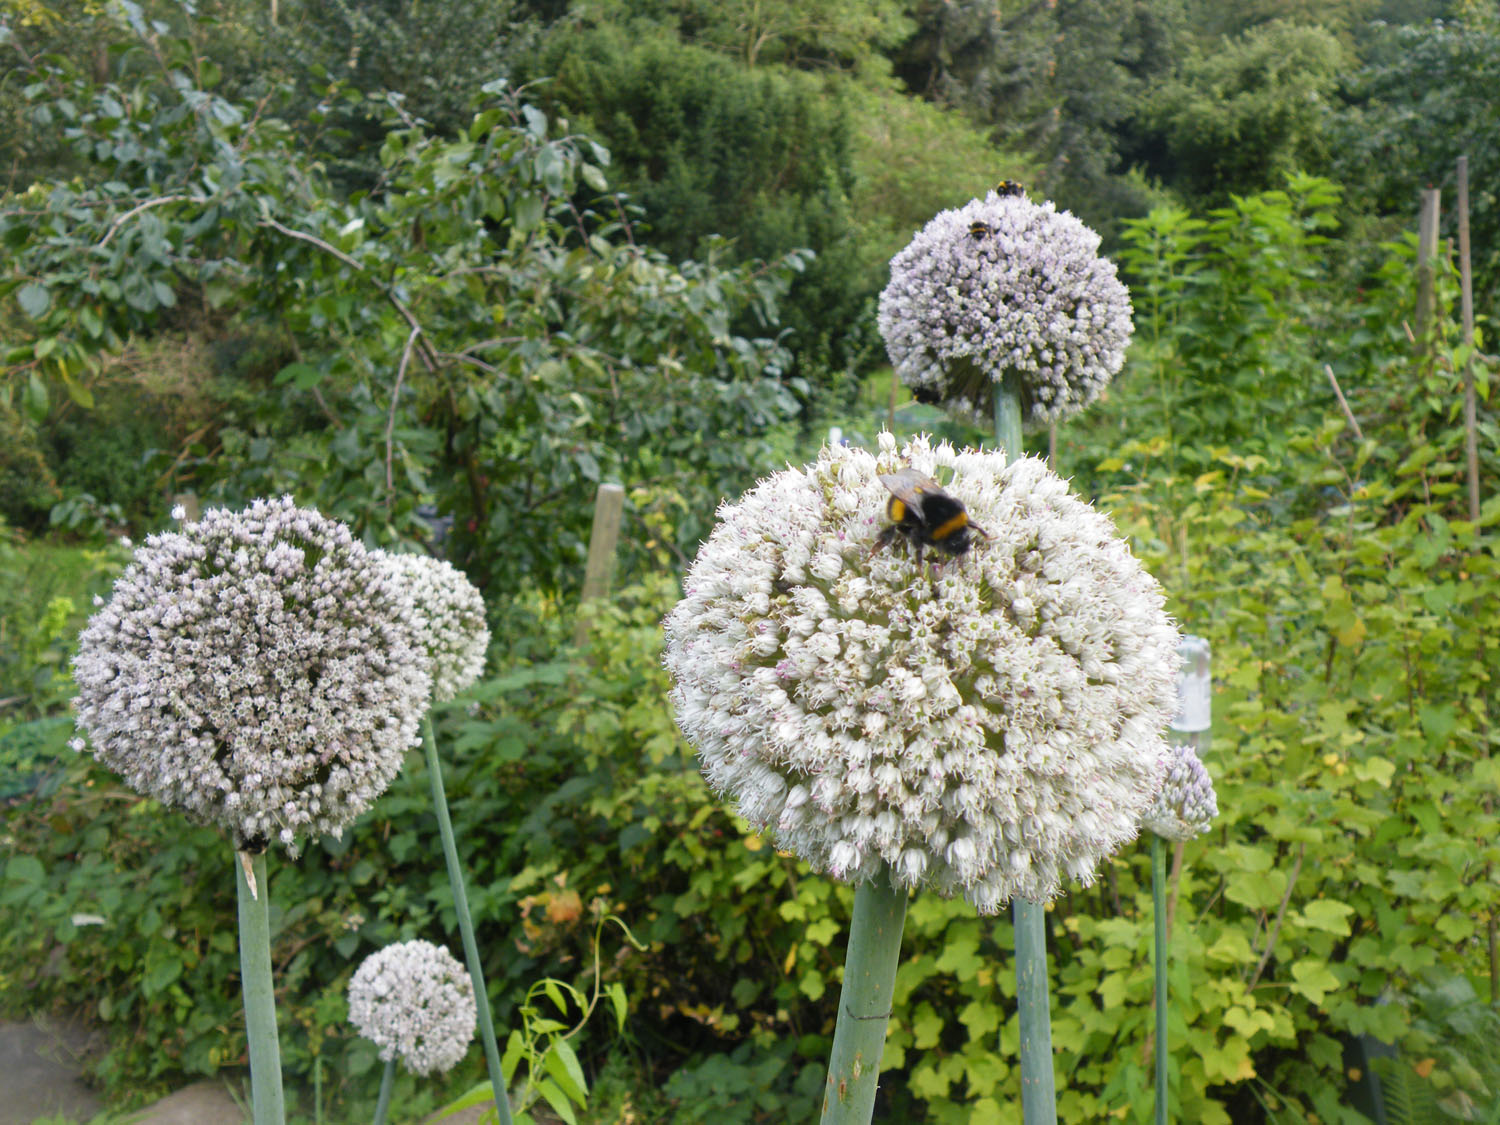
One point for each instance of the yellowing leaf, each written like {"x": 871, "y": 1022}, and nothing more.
{"x": 1313, "y": 980}
{"x": 1327, "y": 914}
{"x": 1375, "y": 769}
{"x": 1247, "y": 1021}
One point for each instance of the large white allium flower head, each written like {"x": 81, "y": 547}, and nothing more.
{"x": 1186, "y": 804}
{"x": 1000, "y": 285}
{"x": 447, "y": 620}
{"x": 987, "y": 726}
{"x": 254, "y": 670}
{"x": 415, "y": 1002}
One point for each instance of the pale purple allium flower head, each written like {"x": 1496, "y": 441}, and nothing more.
{"x": 987, "y": 726}
{"x": 447, "y": 620}
{"x": 1004, "y": 284}
{"x": 253, "y": 670}
{"x": 1186, "y": 805}
{"x": 415, "y": 1002}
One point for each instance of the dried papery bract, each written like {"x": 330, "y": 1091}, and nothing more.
{"x": 253, "y": 670}
{"x": 1005, "y": 286}
{"x": 989, "y": 727}
{"x": 414, "y": 1001}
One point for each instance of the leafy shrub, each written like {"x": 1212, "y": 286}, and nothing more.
{"x": 28, "y": 487}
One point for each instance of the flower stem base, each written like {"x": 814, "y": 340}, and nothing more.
{"x": 864, "y": 1002}
{"x": 266, "y": 1097}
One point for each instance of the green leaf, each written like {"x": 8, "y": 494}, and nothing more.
{"x": 562, "y": 1063}
{"x": 593, "y": 176}
{"x": 34, "y": 398}
{"x": 616, "y": 994}
{"x": 160, "y": 975}
{"x": 34, "y": 299}
{"x": 1313, "y": 980}
{"x": 528, "y": 212}
{"x": 1327, "y": 914}
{"x": 1375, "y": 769}
{"x": 303, "y": 376}
{"x": 557, "y": 1100}
{"x": 25, "y": 869}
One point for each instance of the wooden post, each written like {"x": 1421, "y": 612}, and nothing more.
{"x": 1466, "y": 288}
{"x": 609, "y": 502}
{"x": 1427, "y": 240}
{"x": 1471, "y": 456}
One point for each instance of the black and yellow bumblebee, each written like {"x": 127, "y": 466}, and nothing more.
{"x": 1009, "y": 187}
{"x": 926, "y": 515}
{"x": 978, "y": 230}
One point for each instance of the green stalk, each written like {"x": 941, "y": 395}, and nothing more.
{"x": 864, "y": 1001}
{"x": 1158, "y": 905}
{"x": 1038, "y": 1085}
{"x": 465, "y": 923}
{"x": 266, "y": 1096}
{"x": 1159, "y": 908}
{"x": 1008, "y": 416}
{"x": 383, "y": 1104}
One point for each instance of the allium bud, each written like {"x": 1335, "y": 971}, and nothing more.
{"x": 1004, "y": 284}
{"x": 415, "y": 1002}
{"x": 253, "y": 670}
{"x": 1186, "y": 805}
{"x": 447, "y": 620}
{"x": 987, "y": 726}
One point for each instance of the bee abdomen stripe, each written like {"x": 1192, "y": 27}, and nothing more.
{"x": 949, "y": 526}
{"x": 896, "y": 509}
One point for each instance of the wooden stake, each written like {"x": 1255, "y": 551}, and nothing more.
{"x": 609, "y": 502}
{"x": 1427, "y": 239}
{"x": 1471, "y": 456}
{"x": 1466, "y": 288}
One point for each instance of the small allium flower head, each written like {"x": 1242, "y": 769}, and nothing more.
{"x": 448, "y": 620}
{"x": 1186, "y": 805}
{"x": 415, "y": 1002}
{"x": 987, "y": 726}
{"x": 253, "y": 670}
{"x": 1004, "y": 284}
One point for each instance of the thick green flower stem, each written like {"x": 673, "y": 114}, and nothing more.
{"x": 266, "y": 1097}
{"x": 864, "y": 1002}
{"x": 465, "y": 923}
{"x": 1038, "y": 1086}
{"x": 383, "y": 1104}
{"x": 1008, "y": 416}
{"x": 1159, "y": 909}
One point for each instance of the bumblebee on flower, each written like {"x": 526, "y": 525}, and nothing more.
{"x": 989, "y": 727}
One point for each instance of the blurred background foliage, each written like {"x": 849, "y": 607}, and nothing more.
{"x": 440, "y": 269}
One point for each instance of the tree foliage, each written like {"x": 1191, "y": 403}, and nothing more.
{"x": 469, "y": 337}
{"x": 1241, "y": 115}
{"x": 1426, "y": 99}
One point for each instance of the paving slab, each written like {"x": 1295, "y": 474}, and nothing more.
{"x": 41, "y": 1075}
{"x": 41, "y": 1063}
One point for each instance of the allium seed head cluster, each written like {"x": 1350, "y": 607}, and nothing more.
{"x": 254, "y": 670}
{"x": 415, "y": 1002}
{"x": 989, "y": 726}
{"x": 1186, "y": 805}
{"x": 1029, "y": 295}
{"x": 447, "y": 620}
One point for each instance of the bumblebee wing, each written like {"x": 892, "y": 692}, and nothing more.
{"x": 911, "y": 488}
